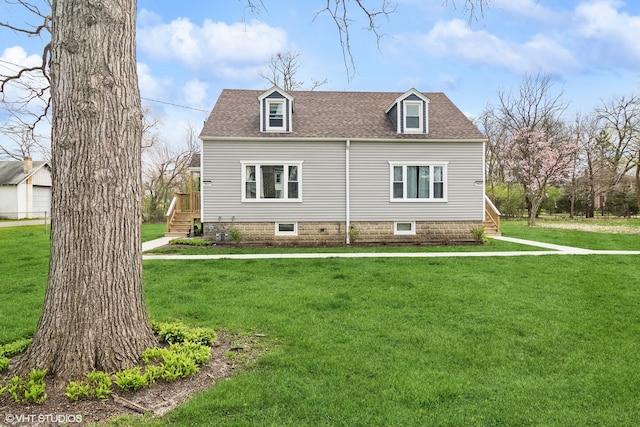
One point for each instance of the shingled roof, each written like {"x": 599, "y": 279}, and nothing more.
{"x": 12, "y": 172}
{"x": 334, "y": 115}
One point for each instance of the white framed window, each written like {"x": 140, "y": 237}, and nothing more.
{"x": 418, "y": 182}
{"x": 276, "y": 119}
{"x": 413, "y": 115}
{"x": 286, "y": 228}
{"x": 271, "y": 181}
{"x": 404, "y": 227}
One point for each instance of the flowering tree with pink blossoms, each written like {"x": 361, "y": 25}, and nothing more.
{"x": 536, "y": 161}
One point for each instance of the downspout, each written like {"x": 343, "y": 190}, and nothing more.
{"x": 484, "y": 180}
{"x": 347, "y": 193}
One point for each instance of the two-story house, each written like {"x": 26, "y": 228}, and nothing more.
{"x": 315, "y": 167}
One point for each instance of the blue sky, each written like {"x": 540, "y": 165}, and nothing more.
{"x": 189, "y": 51}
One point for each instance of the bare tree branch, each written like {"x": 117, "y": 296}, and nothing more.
{"x": 342, "y": 17}
{"x": 37, "y": 30}
{"x": 33, "y": 82}
{"x": 475, "y": 8}
{"x": 281, "y": 71}
{"x": 534, "y": 107}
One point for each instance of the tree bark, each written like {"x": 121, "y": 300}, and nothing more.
{"x": 94, "y": 315}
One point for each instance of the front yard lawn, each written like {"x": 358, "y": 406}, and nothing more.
{"x": 547, "y": 340}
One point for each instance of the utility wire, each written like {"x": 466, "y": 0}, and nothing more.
{"x": 175, "y": 105}
{"x": 146, "y": 99}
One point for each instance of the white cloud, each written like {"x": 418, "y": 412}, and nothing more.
{"x": 16, "y": 56}
{"x": 150, "y": 86}
{"x": 455, "y": 40}
{"x": 221, "y": 49}
{"x": 14, "y": 59}
{"x": 194, "y": 94}
{"x": 23, "y": 97}
{"x": 609, "y": 34}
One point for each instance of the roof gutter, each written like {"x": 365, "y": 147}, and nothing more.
{"x": 296, "y": 139}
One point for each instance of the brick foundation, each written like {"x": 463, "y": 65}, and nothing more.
{"x": 333, "y": 233}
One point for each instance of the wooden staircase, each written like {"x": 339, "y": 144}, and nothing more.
{"x": 491, "y": 218}
{"x": 184, "y": 209}
{"x": 180, "y": 225}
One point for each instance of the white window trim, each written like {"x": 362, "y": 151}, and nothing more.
{"x": 409, "y": 232}
{"x": 287, "y": 233}
{"x": 268, "y": 126}
{"x": 257, "y": 164}
{"x": 420, "y": 105}
{"x": 431, "y": 199}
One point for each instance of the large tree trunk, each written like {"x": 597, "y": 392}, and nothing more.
{"x": 94, "y": 314}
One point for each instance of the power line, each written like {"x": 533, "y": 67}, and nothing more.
{"x": 174, "y": 105}
{"x": 146, "y": 99}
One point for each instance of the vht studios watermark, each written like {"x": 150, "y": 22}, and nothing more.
{"x": 15, "y": 419}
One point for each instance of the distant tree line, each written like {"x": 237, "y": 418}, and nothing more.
{"x": 538, "y": 159}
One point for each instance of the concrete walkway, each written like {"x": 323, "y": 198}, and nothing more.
{"x": 25, "y": 222}
{"x": 552, "y": 250}
{"x": 152, "y": 244}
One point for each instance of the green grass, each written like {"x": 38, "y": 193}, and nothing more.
{"x": 504, "y": 341}
{"x": 226, "y": 249}
{"x": 374, "y": 342}
{"x": 580, "y": 239}
{"x": 24, "y": 262}
{"x": 153, "y": 231}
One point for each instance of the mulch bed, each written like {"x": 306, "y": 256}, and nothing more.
{"x": 157, "y": 399}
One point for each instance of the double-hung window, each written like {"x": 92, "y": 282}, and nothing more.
{"x": 271, "y": 181}
{"x": 418, "y": 181}
{"x": 413, "y": 116}
{"x": 276, "y": 114}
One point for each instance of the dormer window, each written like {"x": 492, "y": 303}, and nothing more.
{"x": 413, "y": 116}
{"x": 409, "y": 113}
{"x": 276, "y": 115}
{"x": 276, "y": 111}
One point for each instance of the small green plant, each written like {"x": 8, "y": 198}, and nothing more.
{"x": 177, "y": 366}
{"x": 154, "y": 355}
{"x": 99, "y": 384}
{"x": 177, "y": 332}
{"x": 130, "y": 379}
{"x": 236, "y": 236}
{"x": 152, "y": 373}
{"x": 170, "y": 332}
{"x": 77, "y": 390}
{"x": 16, "y": 347}
{"x": 4, "y": 363}
{"x": 353, "y": 234}
{"x": 189, "y": 242}
{"x": 479, "y": 234}
{"x": 204, "y": 336}
{"x": 199, "y": 353}
{"x": 178, "y": 361}
{"x": 15, "y": 388}
{"x": 34, "y": 391}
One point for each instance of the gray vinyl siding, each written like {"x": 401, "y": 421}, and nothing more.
{"x": 370, "y": 181}
{"x": 322, "y": 181}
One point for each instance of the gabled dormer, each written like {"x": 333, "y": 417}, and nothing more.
{"x": 276, "y": 111}
{"x": 409, "y": 113}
